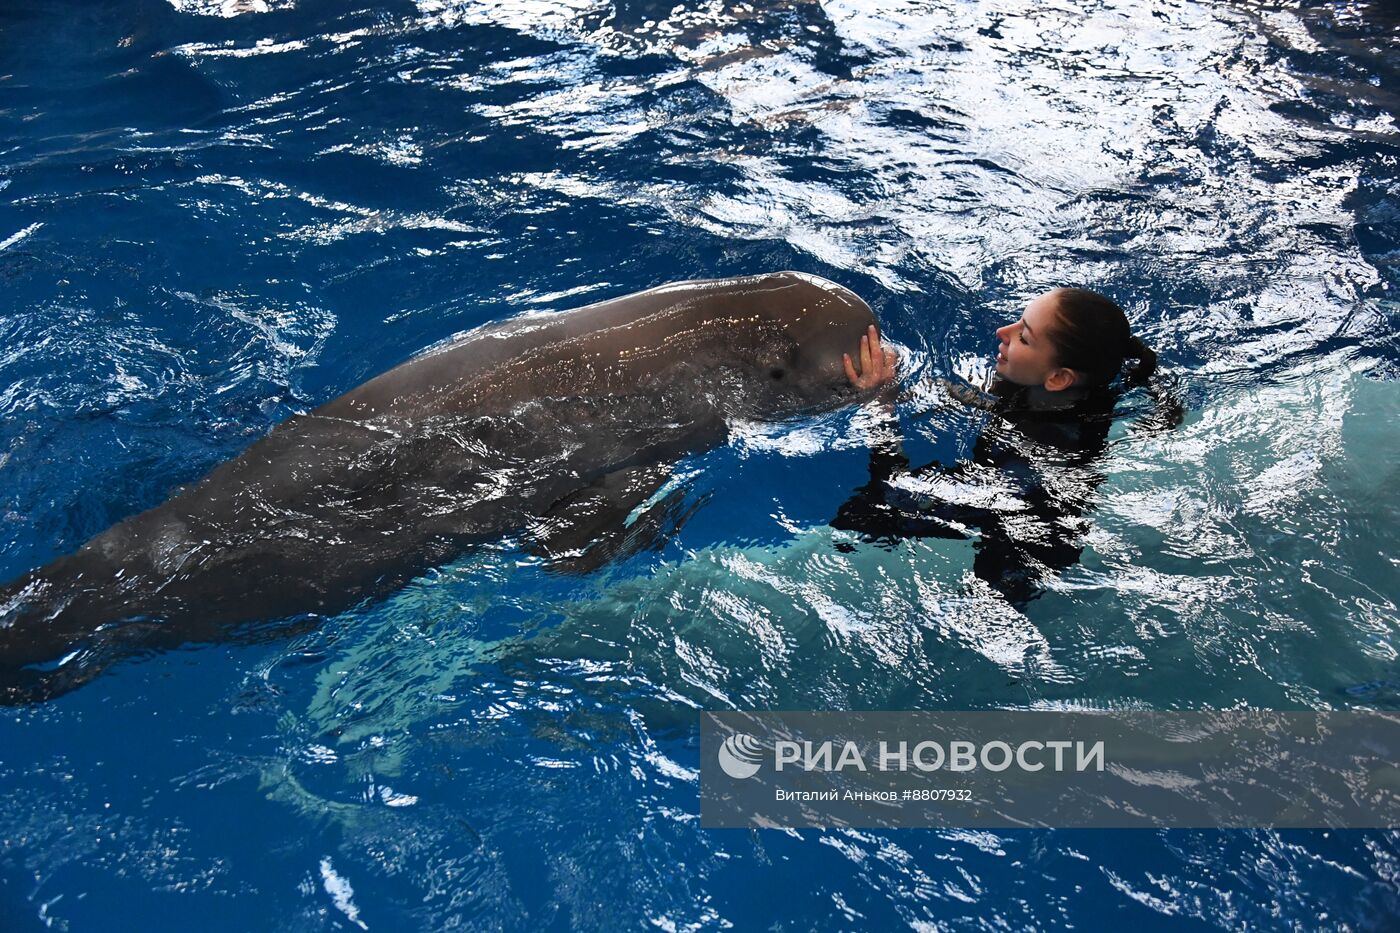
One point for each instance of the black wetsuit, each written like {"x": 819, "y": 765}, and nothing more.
{"x": 1030, "y": 478}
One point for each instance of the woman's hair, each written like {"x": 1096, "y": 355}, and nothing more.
{"x": 1092, "y": 336}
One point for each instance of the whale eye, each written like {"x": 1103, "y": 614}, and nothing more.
{"x": 776, "y": 372}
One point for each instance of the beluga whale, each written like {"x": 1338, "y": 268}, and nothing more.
{"x": 557, "y": 426}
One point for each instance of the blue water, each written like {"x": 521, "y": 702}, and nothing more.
{"x": 217, "y": 213}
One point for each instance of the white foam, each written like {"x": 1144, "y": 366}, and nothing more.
{"x": 15, "y": 238}
{"x": 341, "y": 893}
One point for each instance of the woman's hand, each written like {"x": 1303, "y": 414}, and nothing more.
{"x": 877, "y": 363}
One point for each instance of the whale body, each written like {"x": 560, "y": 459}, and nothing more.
{"x": 556, "y": 425}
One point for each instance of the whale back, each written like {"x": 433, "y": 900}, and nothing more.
{"x": 777, "y": 339}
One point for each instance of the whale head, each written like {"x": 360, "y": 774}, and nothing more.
{"x": 797, "y": 357}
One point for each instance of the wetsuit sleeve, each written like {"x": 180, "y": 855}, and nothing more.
{"x": 887, "y": 459}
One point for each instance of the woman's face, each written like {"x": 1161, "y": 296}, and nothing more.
{"x": 1026, "y": 356}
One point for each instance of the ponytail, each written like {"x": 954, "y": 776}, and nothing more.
{"x": 1146, "y": 357}
{"x": 1167, "y": 411}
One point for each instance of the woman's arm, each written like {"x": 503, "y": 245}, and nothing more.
{"x": 878, "y": 365}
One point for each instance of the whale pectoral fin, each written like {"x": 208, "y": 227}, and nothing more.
{"x": 588, "y": 528}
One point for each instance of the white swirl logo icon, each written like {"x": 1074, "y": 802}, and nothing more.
{"x": 740, "y": 756}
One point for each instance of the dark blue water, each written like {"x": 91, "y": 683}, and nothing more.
{"x": 215, "y": 214}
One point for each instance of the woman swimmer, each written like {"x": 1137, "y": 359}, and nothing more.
{"x": 1055, "y": 385}
{"x": 1067, "y": 342}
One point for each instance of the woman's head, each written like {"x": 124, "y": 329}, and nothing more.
{"x": 1070, "y": 337}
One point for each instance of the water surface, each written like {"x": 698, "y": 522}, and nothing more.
{"x": 217, "y": 213}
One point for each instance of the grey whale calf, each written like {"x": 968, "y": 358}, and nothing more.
{"x": 556, "y": 424}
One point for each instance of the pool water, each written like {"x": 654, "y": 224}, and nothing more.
{"x": 217, "y": 213}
